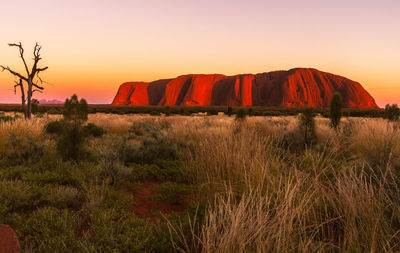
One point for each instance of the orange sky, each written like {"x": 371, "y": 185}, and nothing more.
{"x": 94, "y": 46}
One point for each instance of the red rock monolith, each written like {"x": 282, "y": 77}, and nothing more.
{"x": 293, "y": 88}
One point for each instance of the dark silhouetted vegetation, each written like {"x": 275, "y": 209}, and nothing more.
{"x": 392, "y": 112}
{"x": 307, "y": 124}
{"x": 335, "y": 113}
{"x": 241, "y": 114}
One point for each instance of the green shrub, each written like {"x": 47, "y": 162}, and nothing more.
{"x": 15, "y": 172}
{"x": 93, "y": 130}
{"x": 241, "y": 114}
{"x": 49, "y": 229}
{"x": 23, "y": 150}
{"x": 75, "y": 110}
{"x": 392, "y": 112}
{"x": 70, "y": 144}
{"x": 64, "y": 197}
{"x": 39, "y": 115}
{"x": 336, "y": 110}
{"x": 167, "y": 111}
{"x": 16, "y": 196}
{"x": 155, "y": 113}
{"x": 307, "y": 124}
{"x": 115, "y": 230}
{"x": 6, "y": 118}
{"x": 147, "y": 142}
{"x": 53, "y": 111}
{"x": 229, "y": 111}
{"x": 172, "y": 192}
{"x": 54, "y": 127}
{"x": 212, "y": 112}
{"x": 34, "y": 106}
{"x": 160, "y": 170}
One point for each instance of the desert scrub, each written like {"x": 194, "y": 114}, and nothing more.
{"x": 20, "y": 128}
{"x": 251, "y": 178}
{"x": 376, "y": 142}
{"x": 22, "y": 149}
{"x": 241, "y": 114}
{"x": 335, "y": 112}
{"x": 259, "y": 189}
{"x": 50, "y": 228}
{"x": 171, "y": 191}
{"x": 148, "y": 141}
{"x": 93, "y": 130}
{"x": 54, "y": 127}
{"x": 392, "y": 112}
{"x": 307, "y": 124}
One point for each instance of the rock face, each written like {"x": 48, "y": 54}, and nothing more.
{"x": 293, "y": 88}
{"x": 9, "y": 242}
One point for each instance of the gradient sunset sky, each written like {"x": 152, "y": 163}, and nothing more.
{"x": 91, "y": 47}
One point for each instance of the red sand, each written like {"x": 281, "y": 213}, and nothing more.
{"x": 293, "y": 88}
{"x": 144, "y": 207}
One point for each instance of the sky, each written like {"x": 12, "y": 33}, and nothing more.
{"x": 92, "y": 46}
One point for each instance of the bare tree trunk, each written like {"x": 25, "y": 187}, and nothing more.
{"x": 23, "y": 98}
{"x": 29, "y": 99}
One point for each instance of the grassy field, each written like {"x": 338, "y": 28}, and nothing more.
{"x": 203, "y": 184}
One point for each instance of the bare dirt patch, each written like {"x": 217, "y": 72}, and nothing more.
{"x": 147, "y": 208}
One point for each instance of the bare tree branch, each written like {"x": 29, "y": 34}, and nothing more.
{"x": 21, "y": 53}
{"x": 13, "y": 72}
{"x": 41, "y": 69}
{"x": 15, "y": 86}
{"x": 37, "y": 86}
{"x": 38, "y": 71}
{"x": 36, "y": 59}
{"x": 37, "y": 91}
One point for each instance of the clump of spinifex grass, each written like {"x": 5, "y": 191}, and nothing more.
{"x": 264, "y": 198}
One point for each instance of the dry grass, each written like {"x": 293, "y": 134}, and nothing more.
{"x": 263, "y": 198}
{"x": 20, "y": 128}
{"x": 341, "y": 195}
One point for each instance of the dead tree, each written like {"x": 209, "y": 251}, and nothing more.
{"x": 29, "y": 79}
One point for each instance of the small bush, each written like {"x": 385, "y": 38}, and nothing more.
{"x": 172, "y": 192}
{"x": 93, "y": 130}
{"x": 39, "y": 115}
{"x": 241, "y": 114}
{"x": 229, "y": 111}
{"x": 212, "y": 112}
{"x": 167, "y": 111}
{"x": 336, "y": 109}
{"x": 63, "y": 197}
{"x": 48, "y": 229}
{"x": 160, "y": 170}
{"x": 75, "y": 110}
{"x": 20, "y": 149}
{"x": 392, "y": 112}
{"x": 6, "y": 118}
{"x": 70, "y": 144}
{"x": 307, "y": 124}
{"x": 54, "y": 127}
{"x": 34, "y": 106}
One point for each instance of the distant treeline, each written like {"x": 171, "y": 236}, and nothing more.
{"x": 188, "y": 110}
